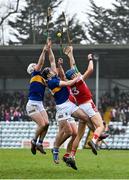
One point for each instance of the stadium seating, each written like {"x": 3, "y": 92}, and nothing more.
{"x": 119, "y": 136}
{"x": 13, "y": 134}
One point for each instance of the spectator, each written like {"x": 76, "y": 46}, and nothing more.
{"x": 9, "y": 103}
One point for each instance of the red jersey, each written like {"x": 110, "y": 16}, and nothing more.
{"x": 71, "y": 96}
{"x": 81, "y": 92}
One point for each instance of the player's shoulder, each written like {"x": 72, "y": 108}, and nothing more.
{"x": 36, "y": 73}
{"x": 53, "y": 82}
{"x": 80, "y": 79}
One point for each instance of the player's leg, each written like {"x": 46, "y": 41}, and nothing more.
{"x": 39, "y": 120}
{"x": 76, "y": 112}
{"x": 80, "y": 114}
{"x": 74, "y": 134}
{"x": 97, "y": 120}
{"x": 33, "y": 111}
{"x": 43, "y": 133}
{"x": 71, "y": 159}
{"x": 64, "y": 133}
{"x": 80, "y": 133}
{"x": 70, "y": 143}
{"x": 90, "y": 109}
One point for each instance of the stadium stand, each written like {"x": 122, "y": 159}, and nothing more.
{"x": 15, "y": 126}
{"x": 19, "y": 134}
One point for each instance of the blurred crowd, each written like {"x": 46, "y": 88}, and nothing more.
{"x": 12, "y": 106}
{"x": 117, "y": 105}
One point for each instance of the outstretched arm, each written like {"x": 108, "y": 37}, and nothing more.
{"x": 60, "y": 69}
{"x": 90, "y": 67}
{"x": 41, "y": 59}
{"x": 51, "y": 55}
{"x": 70, "y": 82}
{"x": 69, "y": 52}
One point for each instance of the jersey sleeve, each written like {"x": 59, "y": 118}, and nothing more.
{"x": 53, "y": 83}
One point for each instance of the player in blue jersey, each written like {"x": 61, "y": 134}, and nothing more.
{"x": 35, "y": 108}
{"x": 71, "y": 130}
{"x": 64, "y": 105}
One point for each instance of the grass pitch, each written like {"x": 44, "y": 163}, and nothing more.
{"x": 21, "y": 164}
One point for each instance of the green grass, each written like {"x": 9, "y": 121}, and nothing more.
{"x": 20, "y": 164}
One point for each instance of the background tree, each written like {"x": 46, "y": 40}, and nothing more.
{"x": 11, "y": 10}
{"x": 6, "y": 11}
{"x": 31, "y": 22}
{"x": 109, "y": 25}
{"x": 76, "y": 31}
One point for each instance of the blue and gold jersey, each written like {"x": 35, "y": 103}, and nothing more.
{"x": 61, "y": 94}
{"x": 37, "y": 87}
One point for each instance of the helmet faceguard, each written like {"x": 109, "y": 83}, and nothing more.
{"x": 46, "y": 72}
{"x": 30, "y": 68}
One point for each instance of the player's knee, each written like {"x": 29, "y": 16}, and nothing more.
{"x": 46, "y": 126}
{"x": 74, "y": 134}
{"x": 84, "y": 118}
{"x": 69, "y": 132}
{"x": 42, "y": 126}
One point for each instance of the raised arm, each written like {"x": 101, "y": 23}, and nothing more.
{"x": 70, "y": 82}
{"x": 41, "y": 59}
{"x": 51, "y": 55}
{"x": 90, "y": 67}
{"x": 60, "y": 69}
{"x": 69, "y": 52}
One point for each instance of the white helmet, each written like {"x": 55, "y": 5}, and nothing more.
{"x": 30, "y": 68}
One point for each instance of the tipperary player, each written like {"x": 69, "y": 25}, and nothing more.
{"x": 64, "y": 106}
{"x": 71, "y": 129}
{"x": 35, "y": 108}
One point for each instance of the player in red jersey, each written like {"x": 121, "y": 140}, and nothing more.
{"x": 84, "y": 99}
{"x": 81, "y": 125}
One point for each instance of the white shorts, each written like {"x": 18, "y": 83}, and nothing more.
{"x": 33, "y": 107}
{"x": 89, "y": 108}
{"x": 65, "y": 110}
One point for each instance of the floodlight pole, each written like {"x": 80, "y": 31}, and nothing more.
{"x": 96, "y": 57}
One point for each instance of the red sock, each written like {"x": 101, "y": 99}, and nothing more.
{"x": 73, "y": 152}
{"x": 66, "y": 155}
{"x": 95, "y": 138}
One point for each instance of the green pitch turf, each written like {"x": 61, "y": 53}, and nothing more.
{"x": 21, "y": 164}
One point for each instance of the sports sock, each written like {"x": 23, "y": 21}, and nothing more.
{"x": 73, "y": 152}
{"x": 95, "y": 138}
{"x": 56, "y": 149}
{"x": 66, "y": 154}
{"x": 40, "y": 142}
